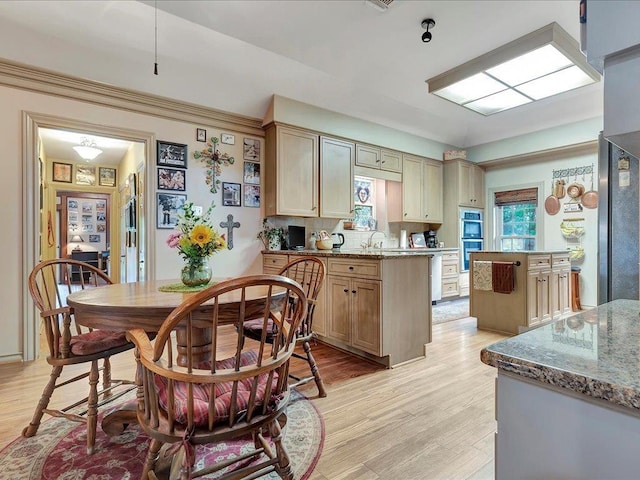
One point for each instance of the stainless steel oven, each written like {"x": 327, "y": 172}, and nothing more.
{"x": 471, "y": 224}
{"x": 468, "y": 246}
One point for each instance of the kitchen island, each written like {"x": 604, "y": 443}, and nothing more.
{"x": 568, "y": 397}
{"x": 376, "y": 303}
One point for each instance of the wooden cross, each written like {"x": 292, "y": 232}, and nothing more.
{"x": 230, "y": 225}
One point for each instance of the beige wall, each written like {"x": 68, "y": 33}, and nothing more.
{"x": 244, "y": 258}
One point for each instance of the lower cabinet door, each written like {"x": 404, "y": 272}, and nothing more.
{"x": 365, "y": 297}
{"x": 339, "y": 308}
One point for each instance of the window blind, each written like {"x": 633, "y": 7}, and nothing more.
{"x": 515, "y": 197}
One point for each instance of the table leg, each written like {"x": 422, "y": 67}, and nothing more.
{"x": 200, "y": 345}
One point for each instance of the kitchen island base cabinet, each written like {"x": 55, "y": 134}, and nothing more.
{"x": 549, "y": 432}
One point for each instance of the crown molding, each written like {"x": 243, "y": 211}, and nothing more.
{"x": 40, "y": 80}
{"x": 574, "y": 150}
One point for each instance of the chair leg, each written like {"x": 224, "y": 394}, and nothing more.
{"x": 31, "y": 429}
{"x": 106, "y": 376}
{"x": 152, "y": 458}
{"x": 92, "y": 407}
{"x": 314, "y": 370}
{"x": 283, "y": 467}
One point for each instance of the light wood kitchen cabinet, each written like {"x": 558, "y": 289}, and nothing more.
{"x": 336, "y": 178}
{"x": 560, "y": 285}
{"x": 272, "y": 263}
{"x": 291, "y": 172}
{"x": 421, "y": 192}
{"x": 539, "y": 291}
{"x": 450, "y": 274}
{"x": 471, "y": 185}
{"x": 378, "y": 158}
{"x": 432, "y": 186}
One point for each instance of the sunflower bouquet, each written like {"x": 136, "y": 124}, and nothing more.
{"x": 196, "y": 239}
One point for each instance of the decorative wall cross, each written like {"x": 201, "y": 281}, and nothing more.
{"x": 213, "y": 160}
{"x": 230, "y": 225}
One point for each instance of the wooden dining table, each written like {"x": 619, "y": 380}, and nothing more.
{"x": 124, "y": 306}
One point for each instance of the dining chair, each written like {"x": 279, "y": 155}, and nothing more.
{"x": 50, "y": 282}
{"x": 308, "y": 272}
{"x": 234, "y": 392}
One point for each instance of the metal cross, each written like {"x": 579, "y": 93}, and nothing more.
{"x": 230, "y": 225}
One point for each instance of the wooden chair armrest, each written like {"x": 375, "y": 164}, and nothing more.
{"x": 141, "y": 340}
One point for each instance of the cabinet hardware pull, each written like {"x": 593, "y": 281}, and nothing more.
{"x": 350, "y": 268}
{"x": 346, "y": 290}
{"x": 353, "y": 291}
{"x": 405, "y": 214}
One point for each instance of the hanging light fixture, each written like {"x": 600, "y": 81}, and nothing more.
{"x": 87, "y": 149}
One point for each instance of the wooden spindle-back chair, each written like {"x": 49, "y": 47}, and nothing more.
{"x": 221, "y": 394}
{"x": 50, "y": 282}
{"x": 309, "y": 272}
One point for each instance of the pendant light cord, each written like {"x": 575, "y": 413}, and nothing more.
{"x": 155, "y": 65}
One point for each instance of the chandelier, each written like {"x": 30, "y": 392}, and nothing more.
{"x": 87, "y": 149}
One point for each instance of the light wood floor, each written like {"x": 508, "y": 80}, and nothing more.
{"x": 429, "y": 419}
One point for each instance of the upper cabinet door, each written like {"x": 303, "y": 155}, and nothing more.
{"x": 412, "y": 189}
{"x": 432, "y": 191}
{"x": 367, "y": 156}
{"x": 297, "y": 177}
{"x": 336, "y": 178}
{"x": 391, "y": 161}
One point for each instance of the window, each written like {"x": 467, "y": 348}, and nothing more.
{"x": 364, "y": 203}
{"x": 516, "y": 220}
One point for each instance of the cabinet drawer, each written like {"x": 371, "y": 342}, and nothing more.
{"x": 539, "y": 261}
{"x": 450, "y": 288}
{"x": 358, "y": 268}
{"x": 272, "y": 261}
{"x": 450, "y": 257}
{"x": 449, "y": 270}
{"x": 560, "y": 259}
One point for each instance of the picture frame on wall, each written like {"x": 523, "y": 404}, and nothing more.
{"x": 107, "y": 177}
{"x": 168, "y": 207}
{"x": 171, "y": 179}
{"x": 85, "y": 175}
{"x": 230, "y": 194}
{"x": 227, "y": 138}
{"x": 251, "y": 195}
{"x": 201, "y": 135}
{"x": 251, "y": 149}
{"x": 251, "y": 173}
{"x": 62, "y": 172}
{"x": 171, "y": 154}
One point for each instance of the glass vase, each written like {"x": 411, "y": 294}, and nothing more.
{"x": 196, "y": 272}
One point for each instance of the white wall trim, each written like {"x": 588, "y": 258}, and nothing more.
{"x": 566, "y": 151}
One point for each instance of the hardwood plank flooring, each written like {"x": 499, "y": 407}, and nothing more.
{"x": 428, "y": 419}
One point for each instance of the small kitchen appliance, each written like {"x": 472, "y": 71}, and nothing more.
{"x": 432, "y": 240}
{"x": 338, "y": 240}
{"x": 297, "y": 237}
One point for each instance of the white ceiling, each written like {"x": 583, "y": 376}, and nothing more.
{"x": 344, "y": 55}
{"x": 58, "y": 145}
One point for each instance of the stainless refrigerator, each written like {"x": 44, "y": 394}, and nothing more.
{"x": 618, "y": 224}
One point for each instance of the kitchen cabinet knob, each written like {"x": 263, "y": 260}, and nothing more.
{"x": 384, "y": 161}
{"x": 405, "y": 214}
{"x": 353, "y": 291}
{"x": 346, "y": 290}
{"x": 350, "y": 268}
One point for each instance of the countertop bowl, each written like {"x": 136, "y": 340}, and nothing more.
{"x": 326, "y": 244}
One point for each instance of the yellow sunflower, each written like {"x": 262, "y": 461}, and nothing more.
{"x": 201, "y": 235}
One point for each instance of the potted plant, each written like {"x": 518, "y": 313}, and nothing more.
{"x": 272, "y": 237}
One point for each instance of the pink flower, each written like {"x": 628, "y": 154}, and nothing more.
{"x": 174, "y": 239}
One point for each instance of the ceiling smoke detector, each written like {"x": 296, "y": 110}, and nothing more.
{"x": 380, "y": 5}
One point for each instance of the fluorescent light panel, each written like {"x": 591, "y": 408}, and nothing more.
{"x": 544, "y": 63}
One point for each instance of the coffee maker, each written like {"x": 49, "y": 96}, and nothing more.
{"x": 432, "y": 241}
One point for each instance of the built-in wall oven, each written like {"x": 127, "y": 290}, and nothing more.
{"x": 471, "y": 233}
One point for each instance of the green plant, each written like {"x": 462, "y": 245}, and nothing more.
{"x": 269, "y": 233}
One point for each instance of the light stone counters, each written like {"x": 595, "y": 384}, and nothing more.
{"x": 372, "y": 253}
{"x": 594, "y": 353}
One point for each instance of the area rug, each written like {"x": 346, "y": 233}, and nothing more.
{"x": 450, "y": 310}
{"x": 58, "y": 450}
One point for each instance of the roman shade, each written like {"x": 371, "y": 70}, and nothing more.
{"x": 515, "y": 197}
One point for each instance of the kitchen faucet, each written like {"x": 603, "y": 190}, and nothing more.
{"x": 369, "y": 244}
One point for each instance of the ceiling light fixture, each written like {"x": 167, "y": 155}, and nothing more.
{"x": 541, "y": 64}
{"x": 88, "y": 150}
{"x": 427, "y": 23}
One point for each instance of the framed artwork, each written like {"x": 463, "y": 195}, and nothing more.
{"x": 62, "y": 172}
{"x": 168, "y": 207}
{"x": 251, "y": 195}
{"x": 94, "y": 238}
{"x": 107, "y": 177}
{"x": 201, "y": 134}
{"x": 251, "y": 149}
{"x": 85, "y": 175}
{"x": 227, "y": 138}
{"x": 231, "y": 194}
{"x": 252, "y": 173}
{"x": 172, "y": 154}
{"x": 171, "y": 179}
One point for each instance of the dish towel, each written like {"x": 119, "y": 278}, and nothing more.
{"x": 503, "y": 277}
{"x": 482, "y": 275}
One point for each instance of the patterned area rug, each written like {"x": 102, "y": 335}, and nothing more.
{"x": 450, "y": 310}
{"x": 58, "y": 450}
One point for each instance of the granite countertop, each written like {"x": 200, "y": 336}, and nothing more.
{"x": 360, "y": 253}
{"x": 526, "y": 252}
{"x": 594, "y": 353}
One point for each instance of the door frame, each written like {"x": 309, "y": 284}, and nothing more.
{"x": 32, "y": 197}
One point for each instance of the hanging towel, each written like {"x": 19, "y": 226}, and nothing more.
{"x": 503, "y": 277}
{"x": 482, "y": 275}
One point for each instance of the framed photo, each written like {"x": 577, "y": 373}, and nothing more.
{"x": 168, "y": 207}
{"x": 201, "y": 134}
{"x": 251, "y": 195}
{"x": 231, "y": 194}
{"x": 251, "y": 173}
{"x": 62, "y": 172}
{"x": 85, "y": 175}
{"x": 227, "y": 138}
{"x": 107, "y": 177}
{"x": 251, "y": 149}
{"x": 171, "y": 179}
{"x": 172, "y": 154}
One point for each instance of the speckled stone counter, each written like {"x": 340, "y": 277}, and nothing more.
{"x": 594, "y": 353}
{"x": 568, "y": 397}
{"x": 360, "y": 253}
